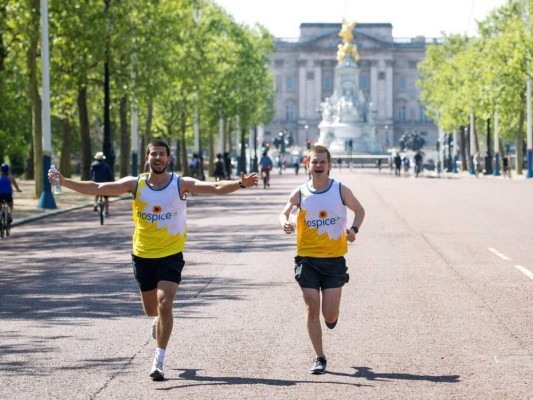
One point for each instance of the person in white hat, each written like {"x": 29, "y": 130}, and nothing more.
{"x": 101, "y": 172}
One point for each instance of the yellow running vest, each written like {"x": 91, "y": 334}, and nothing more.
{"x": 160, "y": 219}
{"x": 321, "y": 227}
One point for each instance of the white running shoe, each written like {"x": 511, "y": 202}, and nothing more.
{"x": 157, "y": 373}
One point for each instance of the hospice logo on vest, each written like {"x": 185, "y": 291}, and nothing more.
{"x": 322, "y": 220}
{"x": 156, "y": 215}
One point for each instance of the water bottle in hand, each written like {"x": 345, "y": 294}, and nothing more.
{"x": 56, "y": 187}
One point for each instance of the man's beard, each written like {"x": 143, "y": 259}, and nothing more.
{"x": 162, "y": 171}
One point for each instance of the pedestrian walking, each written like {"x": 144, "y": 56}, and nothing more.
{"x": 506, "y": 170}
{"x": 101, "y": 172}
{"x": 159, "y": 214}
{"x": 321, "y": 243}
{"x": 219, "y": 171}
{"x": 478, "y": 164}
{"x": 397, "y": 164}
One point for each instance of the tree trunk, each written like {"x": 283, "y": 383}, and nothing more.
{"x": 66, "y": 147}
{"x": 519, "y": 143}
{"x": 29, "y": 171}
{"x": 242, "y": 158}
{"x": 85, "y": 139}
{"x": 125, "y": 138}
{"x": 183, "y": 145}
{"x": 463, "y": 148}
{"x": 3, "y": 55}
{"x": 35, "y": 100}
{"x": 147, "y": 135}
{"x": 211, "y": 151}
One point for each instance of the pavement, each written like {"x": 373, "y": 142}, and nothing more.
{"x": 436, "y": 306}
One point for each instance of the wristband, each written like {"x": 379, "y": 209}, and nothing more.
{"x": 241, "y": 185}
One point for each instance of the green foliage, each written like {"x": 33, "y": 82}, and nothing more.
{"x": 487, "y": 72}
{"x": 157, "y": 53}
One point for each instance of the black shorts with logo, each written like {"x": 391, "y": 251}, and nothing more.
{"x": 321, "y": 273}
{"x": 149, "y": 271}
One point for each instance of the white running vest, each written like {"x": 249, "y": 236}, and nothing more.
{"x": 160, "y": 219}
{"x": 321, "y": 227}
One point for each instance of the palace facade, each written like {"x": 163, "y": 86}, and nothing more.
{"x": 304, "y": 78}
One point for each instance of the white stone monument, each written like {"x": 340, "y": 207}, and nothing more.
{"x": 347, "y": 115}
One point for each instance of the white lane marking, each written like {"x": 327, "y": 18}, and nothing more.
{"x": 502, "y": 256}
{"x": 524, "y": 271}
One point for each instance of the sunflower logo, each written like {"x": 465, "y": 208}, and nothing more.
{"x": 156, "y": 209}
{"x": 322, "y": 214}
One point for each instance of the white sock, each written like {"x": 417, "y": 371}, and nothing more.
{"x": 159, "y": 355}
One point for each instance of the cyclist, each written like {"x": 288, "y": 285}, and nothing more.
{"x": 101, "y": 172}
{"x": 6, "y": 189}
{"x": 266, "y": 166}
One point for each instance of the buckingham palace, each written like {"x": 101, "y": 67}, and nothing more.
{"x": 304, "y": 70}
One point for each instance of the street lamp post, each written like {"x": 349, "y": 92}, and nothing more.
{"x": 47, "y": 199}
{"x": 525, "y": 13}
{"x": 197, "y": 15}
{"x": 107, "y": 145}
{"x": 472, "y": 142}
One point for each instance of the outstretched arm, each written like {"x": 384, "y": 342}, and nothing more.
{"x": 123, "y": 185}
{"x": 192, "y": 185}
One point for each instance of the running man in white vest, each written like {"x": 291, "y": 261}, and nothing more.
{"x": 321, "y": 240}
{"x": 159, "y": 214}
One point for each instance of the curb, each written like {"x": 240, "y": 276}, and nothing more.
{"x": 61, "y": 211}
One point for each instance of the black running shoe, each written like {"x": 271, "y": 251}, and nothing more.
{"x": 319, "y": 365}
{"x": 331, "y": 325}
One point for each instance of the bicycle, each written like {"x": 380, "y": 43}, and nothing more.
{"x": 100, "y": 204}
{"x": 5, "y": 223}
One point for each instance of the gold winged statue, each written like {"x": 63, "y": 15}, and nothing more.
{"x": 347, "y": 48}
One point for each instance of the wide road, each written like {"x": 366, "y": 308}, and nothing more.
{"x": 439, "y": 303}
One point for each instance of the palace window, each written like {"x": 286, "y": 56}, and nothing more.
{"x": 289, "y": 84}
{"x": 401, "y": 113}
{"x": 327, "y": 83}
{"x": 363, "y": 82}
{"x": 289, "y": 113}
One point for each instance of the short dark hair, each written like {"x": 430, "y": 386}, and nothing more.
{"x": 157, "y": 143}
{"x": 317, "y": 148}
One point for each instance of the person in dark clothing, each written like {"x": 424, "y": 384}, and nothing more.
{"x": 397, "y": 164}
{"x": 219, "y": 171}
{"x": 227, "y": 164}
{"x": 101, "y": 172}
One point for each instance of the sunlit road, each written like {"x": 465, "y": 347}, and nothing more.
{"x": 439, "y": 303}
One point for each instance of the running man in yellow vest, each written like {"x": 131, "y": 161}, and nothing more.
{"x": 159, "y": 213}
{"x": 321, "y": 240}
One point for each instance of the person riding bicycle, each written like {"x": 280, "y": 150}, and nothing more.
{"x": 101, "y": 172}
{"x": 6, "y": 189}
{"x": 266, "y": 166}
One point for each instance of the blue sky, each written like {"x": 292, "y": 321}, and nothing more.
{"x": 409, "y": 17}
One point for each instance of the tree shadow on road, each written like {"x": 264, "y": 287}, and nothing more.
{"x": 197, "y": 380}
{"x": 368, "y": 374}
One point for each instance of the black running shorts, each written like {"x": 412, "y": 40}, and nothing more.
{"x": 320, "y": 273}
{"x": 149, "y": 271}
